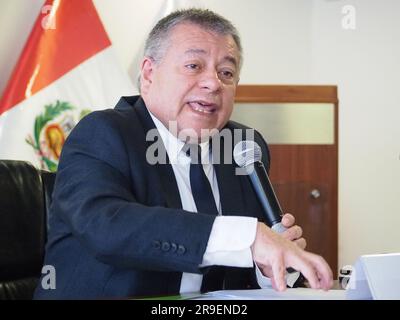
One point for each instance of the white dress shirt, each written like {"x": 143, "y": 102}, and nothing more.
{"x": 231, "y": 236}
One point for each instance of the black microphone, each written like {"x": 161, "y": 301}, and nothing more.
{"x": 247, "y": 155}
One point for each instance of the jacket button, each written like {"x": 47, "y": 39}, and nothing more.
{"x": 165, "y": 246}
{"x": 173, "y": 247}
{"x": 181, "y": 249}
{"x": 156, "y": 244}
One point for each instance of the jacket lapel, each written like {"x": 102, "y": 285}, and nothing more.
{"x": 165, "y": 172}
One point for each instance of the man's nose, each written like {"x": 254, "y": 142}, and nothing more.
{"x": 210, "y": 81}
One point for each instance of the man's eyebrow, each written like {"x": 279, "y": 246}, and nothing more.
{"x": 192, "y": 51}
{"x": 202, "y": 51}
{"x": 232, "y": 60}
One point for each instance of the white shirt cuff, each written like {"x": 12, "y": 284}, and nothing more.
{"x": 263, "y": 281}
{"x": 230, "y": 241}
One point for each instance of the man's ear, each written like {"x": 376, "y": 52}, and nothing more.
{"x": 146, "y": 73}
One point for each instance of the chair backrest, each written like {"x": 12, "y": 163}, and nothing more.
{"x": 25, "y": 195}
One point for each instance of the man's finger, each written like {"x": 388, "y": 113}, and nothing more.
{"x": 278, "y": 270}
{"x": 273, "y": 284}
{"x": 288, "y": 220}
{"x": 323, "y": 270}
{"x": 293, "y": 233}
{"x": 301, "y": 243}
{"x": 308, "y": 271}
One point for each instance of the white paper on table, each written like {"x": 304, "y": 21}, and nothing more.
{"x": 271, "y": 294}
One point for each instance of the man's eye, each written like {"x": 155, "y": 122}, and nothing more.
{"x": 226, "y": 74}
{"x": 192, "y": 66}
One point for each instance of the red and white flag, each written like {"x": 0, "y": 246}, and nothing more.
{"x": 66, "y": 70}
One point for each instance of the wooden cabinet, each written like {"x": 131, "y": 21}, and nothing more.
{"x": 300, "y": 125}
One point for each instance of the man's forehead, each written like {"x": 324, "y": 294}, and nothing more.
{"x": 198, "y": 51}
{"x": 189, "y": 37}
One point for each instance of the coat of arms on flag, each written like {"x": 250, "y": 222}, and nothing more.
{"x": 66, "y": 70}
{"x": 50, "y": 129}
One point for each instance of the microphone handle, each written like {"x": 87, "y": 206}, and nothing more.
{"x": 278, "y": 227}
{"x": 265, "y": 193}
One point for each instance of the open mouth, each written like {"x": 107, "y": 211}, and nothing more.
{"x": 203, "y": 107}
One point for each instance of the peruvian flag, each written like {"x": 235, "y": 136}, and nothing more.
{"x": 66, "y": 70}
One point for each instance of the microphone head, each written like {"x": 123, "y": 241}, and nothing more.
{"x": 246, "y": 152}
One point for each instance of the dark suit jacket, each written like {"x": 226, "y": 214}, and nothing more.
{"x": 116, "y": 225}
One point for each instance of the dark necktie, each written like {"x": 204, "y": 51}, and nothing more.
{"x": 205, "y": 203}
{"x": 199, "y": 183}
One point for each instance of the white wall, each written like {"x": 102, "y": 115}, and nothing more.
{"x": 295, "y": 42}
{"x": 365, "y": 65}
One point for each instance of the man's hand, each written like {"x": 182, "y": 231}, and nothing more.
{"x": 273, "y": 253}
{"x": 294, "y": 232}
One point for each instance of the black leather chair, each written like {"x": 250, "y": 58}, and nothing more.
{"x": 25, "y": 196}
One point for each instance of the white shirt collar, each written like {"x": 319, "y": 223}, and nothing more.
{"x": 174, "y": 146}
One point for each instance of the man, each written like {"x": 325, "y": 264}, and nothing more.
{"x": 121, "y": 225}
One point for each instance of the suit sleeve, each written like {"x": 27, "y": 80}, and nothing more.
{"x": 93, "y": 197}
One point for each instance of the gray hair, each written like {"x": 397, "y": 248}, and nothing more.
{"x": 156, "y": 43}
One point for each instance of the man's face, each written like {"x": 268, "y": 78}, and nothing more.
{"x": 194, "y": 84}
